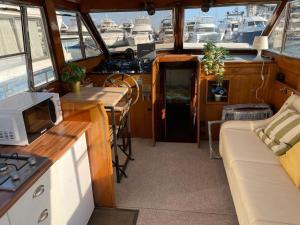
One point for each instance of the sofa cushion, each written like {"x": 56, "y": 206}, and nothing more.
{"x": 244, "y": 145}
{"x": 283, "y": 131}
{"x": 277, "y": 147}
{"x": 291, "y": 163}
{"x": 267, "y": 193}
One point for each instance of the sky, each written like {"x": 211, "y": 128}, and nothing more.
{"x": 120, "y": 17}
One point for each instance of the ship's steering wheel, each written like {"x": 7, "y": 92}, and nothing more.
{"x": 124, "y": 80}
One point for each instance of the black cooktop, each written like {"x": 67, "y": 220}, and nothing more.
{"x": 16, "y": 168}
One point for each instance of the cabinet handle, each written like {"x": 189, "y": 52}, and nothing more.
{"x": 39, "y": 191}
{"x": 44, "y": 215}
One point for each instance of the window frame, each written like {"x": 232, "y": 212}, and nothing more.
{"x": 26, "y": 45}
{"x": 79, "y": 22}
{"x": 172, "y": 9}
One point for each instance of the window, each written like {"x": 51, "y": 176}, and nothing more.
{"x": 231, "y": 27}
{"x": 75, "y": 38}
{"x": 285, "y": 36}
{"x": 13, "y": 70}
{"x": 42, "y": 62}
{"x": 276, "y": 36}
{"x": 292, "y": 44}
{"x": 122, "y": 30}
{"x": 21, "y": 70}
{"x": 90, "y": 47}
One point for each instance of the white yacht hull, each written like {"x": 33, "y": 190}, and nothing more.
{"x": 205, "y": 37}
{"x": 114, "y": 40}
{"x": 139, "y": 39}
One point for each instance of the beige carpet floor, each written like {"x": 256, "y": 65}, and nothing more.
{"x": 176, "y": 184}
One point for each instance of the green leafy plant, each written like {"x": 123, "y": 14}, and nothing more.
{"x": 213, "y": 61}
{"x": 72, "y": 74}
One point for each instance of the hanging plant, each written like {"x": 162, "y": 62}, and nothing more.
{"x": 213, "y": 61}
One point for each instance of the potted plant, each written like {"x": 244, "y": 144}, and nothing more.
{"x": 213, "y": 62}
{"x": 73, "y": 75}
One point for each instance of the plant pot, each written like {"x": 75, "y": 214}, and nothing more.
{"x": 75, "y": 87}
{"x": 218, "y": 98}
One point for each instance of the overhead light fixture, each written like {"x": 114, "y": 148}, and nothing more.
{"x": 149, "y": 7}
{"x": 260, "y": 43}
{"x": 206, "y": 5}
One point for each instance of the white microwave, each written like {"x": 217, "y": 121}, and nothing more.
{"x": 26, "y": 116}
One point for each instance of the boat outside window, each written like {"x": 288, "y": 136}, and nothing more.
{"x": 232, "y": 27}
{"x": 13, "y": 71}
{"x": 42, "y": 62}
{"x": 76, "y": 40}
{"x": 90, "y": 47}
{"x": 122, "y": 30}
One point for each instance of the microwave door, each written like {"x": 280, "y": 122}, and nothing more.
{"x": 38, "y": 120}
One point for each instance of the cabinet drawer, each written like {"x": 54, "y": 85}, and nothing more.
{"x": 4, "y": 220}
{"x": 80, "y": 147}
{"x": 34, "y": 206}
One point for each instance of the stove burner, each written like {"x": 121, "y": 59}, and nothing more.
{"x": 14, "y": 175}
{"x": 32, "y": 161}
{"x": 3, "y": 167}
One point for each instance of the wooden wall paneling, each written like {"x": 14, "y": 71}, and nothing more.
{"x": 269, "y": 83}
{"x": 98, "y": 147}
{"x": 90, "y": 63}
{"x": 290, "y": 67}
{"x": 66, "y": 5}
{"x": 244, "y": 79}
{"x": 140, "y": 113}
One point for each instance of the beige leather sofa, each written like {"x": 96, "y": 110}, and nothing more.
{"x": 262, "y": 192}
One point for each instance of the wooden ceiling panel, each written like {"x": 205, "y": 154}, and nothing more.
{"x": 115, "y": 5}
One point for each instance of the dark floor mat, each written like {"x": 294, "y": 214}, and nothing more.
{"x": 106, "y": 216}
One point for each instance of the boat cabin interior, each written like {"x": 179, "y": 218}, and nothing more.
{"x": 149, "y": 112}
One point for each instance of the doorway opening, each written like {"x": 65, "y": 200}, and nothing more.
{"x": 178, "y": 91}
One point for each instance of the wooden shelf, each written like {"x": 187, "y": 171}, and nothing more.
{"x": 210, "y": 99}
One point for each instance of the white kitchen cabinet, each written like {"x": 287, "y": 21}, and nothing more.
{"x": 73, "y": 186}
{"x": 34, "y": 206}
{"x": 62, "y": 196}
{"x": 4, "y": 220}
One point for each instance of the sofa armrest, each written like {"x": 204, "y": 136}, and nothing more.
{"x": 245, "y": 125}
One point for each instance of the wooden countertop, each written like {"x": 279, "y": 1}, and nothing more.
{"x": 108, "y": 96}
{"x": 52, "y": 145}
